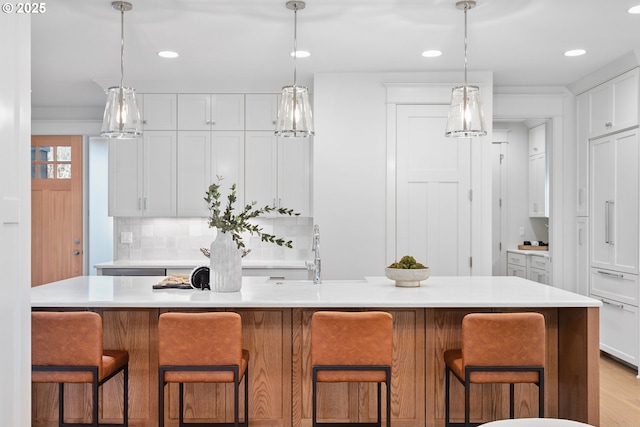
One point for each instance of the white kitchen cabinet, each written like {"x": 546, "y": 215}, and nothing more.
{"x": 261, "y": 111}
{"x": 613, "y": 105}
{"x": 582, "y": 150}
{"x": 532, "y": 266}
{"x": 142, "y": 175}
{"x": 538, "y": 186}
{"x": 538, "y": 139}
{"x": 582, "y": 255}
{"x": 537, "y": 268}
{"x": 538, "y": 189}
{"x": 619, "y": 330}
{"x": 159, "y": 111}
{"x": 516, "y": 270}
{"x": 210, "y": 111}
{"x": 202, "y": 156}
{"x": 516, "y": 264}
{"x": 614, "y": 230}
{"x": 277, "y": 171}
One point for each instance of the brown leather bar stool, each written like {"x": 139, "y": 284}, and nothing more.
{"x": 352, "y": 347}
{"x": 505, "y": 348}
{"x": 202, "y": 348}
{"x": 66, "y": 347}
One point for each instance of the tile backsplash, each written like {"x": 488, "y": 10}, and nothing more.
{"x": 182, "y": 238}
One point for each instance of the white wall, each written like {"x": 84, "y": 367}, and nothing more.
{"x": 350, "y": 171}
{"x": 15, "y": 220}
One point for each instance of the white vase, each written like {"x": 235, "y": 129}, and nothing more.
{"x": 225, "y": 264}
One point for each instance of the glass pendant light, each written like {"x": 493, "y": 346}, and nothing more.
{"x": 294, "y": 112}
{"x": 465, "y": 113}
{"x": 121, "y": 115}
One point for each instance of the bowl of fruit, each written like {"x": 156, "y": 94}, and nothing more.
{"x": 407, "y": 273}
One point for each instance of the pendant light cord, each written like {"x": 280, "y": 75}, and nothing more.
{"x": 295, "y": 43}
{"x": 465, "y": 94}
{"x": 121, "y": 91}
{"x": 295, "y": 69}
{"x": 466, "y": 7}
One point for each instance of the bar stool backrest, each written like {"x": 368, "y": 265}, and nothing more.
{"x": 351, "y": 338}
{"x": 66, "y": 339}
{"x": 503, "y": 339}
{"x": 200, "y": 339}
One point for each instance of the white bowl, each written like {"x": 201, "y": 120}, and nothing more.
{"x": 407, "y": 278}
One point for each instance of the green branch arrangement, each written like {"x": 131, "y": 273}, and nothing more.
{"x": 226, "y": 221}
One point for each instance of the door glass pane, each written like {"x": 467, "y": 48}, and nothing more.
{"x": 33, "y": 170}
{"x": 45, "y": 153}
{"x": 33, "y": 154}
{"x": 63, "y": 154}
{"x": 64, "y": 171}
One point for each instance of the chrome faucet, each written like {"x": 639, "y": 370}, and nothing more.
{"x": 317, "y": 270}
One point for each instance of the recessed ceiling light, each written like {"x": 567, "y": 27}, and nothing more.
{"x": 635, "y": 10}
{"x": 300, "y": 54}
{"x": 168, "y": 54}
{"x": 575, "y": 52}
{"x": 431, "y": 53}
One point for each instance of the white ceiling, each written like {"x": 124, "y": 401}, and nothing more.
{"x": 244, "y": 45}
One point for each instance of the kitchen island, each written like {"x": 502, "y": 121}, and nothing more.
{"x": 276, "y": 316}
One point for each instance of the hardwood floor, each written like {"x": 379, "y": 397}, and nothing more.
{"x": 619, "y": 394}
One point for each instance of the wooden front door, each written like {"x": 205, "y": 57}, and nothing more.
{"x": 56, "y": 208}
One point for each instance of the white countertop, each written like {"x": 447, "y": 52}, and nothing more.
{"x": 258, "y": 292}
{"x": 193, "y": 263}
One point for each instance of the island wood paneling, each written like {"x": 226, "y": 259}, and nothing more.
{"x": 578, "y": 375}
{"x": 357, "y": 402}
{"x": 280, "y": 377}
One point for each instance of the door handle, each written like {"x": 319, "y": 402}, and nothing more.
{"x": 76, "y": 252}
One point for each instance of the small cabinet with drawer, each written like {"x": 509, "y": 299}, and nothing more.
{"x": 528, "y": 266}
{"x": 516, "y": 264}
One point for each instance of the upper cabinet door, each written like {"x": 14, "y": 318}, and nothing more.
{"x": 227, "y": 112}
{"x": 194, "y": 111}
{"x": 538, "y": 139}
{"x": 262, "y": 111}
{"x": 210, "y": 112}
{"x": 582, "y": 148}
{"x": 614, "y": 105}
{"x": 159, "y": 111}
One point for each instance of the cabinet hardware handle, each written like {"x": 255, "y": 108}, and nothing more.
{"x": 608, "y": 124}
{"x": 611, "y": 303}
{"x": 212, "y": 122}
{"x": 139, "y": 204}
{"x": 145, "y": 203}
{"x": 606, "y": 221}
{"x": 612, "y": 222}
{"x": 279, "y": 202}
{"x": 610, "y": 205}
{"x": 273, "y": 122}
{"x": 144, "y": 122}
{"x": 606, "y": 273}
{"x": 581, "y": 197}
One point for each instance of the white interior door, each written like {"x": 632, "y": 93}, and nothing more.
{"x": 433, "y": 207}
